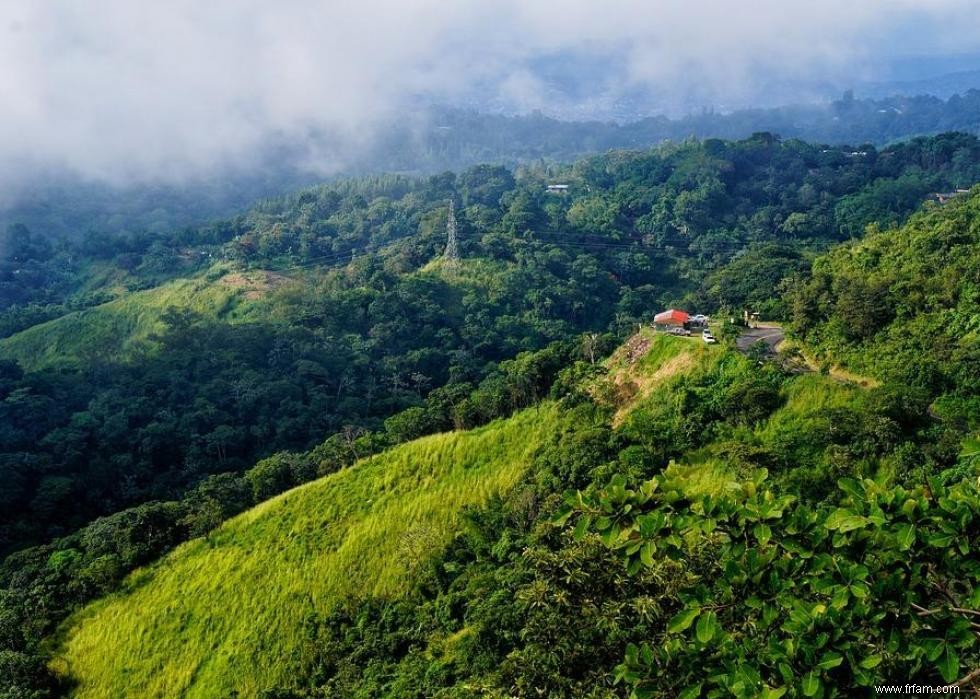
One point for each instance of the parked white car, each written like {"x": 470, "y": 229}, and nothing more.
{"x": 708, "y": 337}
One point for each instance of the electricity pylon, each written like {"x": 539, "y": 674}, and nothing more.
{"x": 451, "y": 255}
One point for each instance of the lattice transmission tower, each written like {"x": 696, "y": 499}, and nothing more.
{"x": 452, "y": 244}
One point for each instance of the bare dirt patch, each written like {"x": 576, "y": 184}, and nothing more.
{"x": 641, "y": 386}
{"x": 628, "y": 383}
{"x": 633, "y": 350}
{"x": 254, "y": 284}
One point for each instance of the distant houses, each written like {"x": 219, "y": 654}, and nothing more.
{"x": 557, "y": 188}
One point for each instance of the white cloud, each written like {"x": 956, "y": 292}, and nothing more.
{"x": 123, "y": 89}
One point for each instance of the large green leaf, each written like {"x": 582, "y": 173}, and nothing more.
{"x": 949, "y": 664}
{"x": 872, "y": 661}
{"x": 691, "y": 692}
{"x": 905, "y": 535}
{"x": 811, "y": 684}
{"x": 683, "y": 619}
{"x": 830, "y": 660}
{"x": 707, "y": 627}
{"x": 843, "y": 521}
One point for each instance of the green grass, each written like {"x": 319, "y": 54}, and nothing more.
{"x": 806, "y": 395}
{"x": 664, "y": 348}
{"x": 709, "y": 471}
{"x": 482, "y": 273}
{"x": 638, "y": 370}
{"x": 122, "y": 326}
{"x": 225, "y": 614}
{"x": 700, "y": 474}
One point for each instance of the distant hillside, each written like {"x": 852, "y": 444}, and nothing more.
{"x": 120, "y": 328}
{"x": 439, "y": 139}
{"x": 904, "y": 304}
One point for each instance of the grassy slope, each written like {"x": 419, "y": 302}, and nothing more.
{"x": 226, "y": 613}
{"x": 709, "y": 469}
{"x": 647, "y": 361}
{"x": 124, "y": 324}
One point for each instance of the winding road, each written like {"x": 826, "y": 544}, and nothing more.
{"x": 771, "y": 335}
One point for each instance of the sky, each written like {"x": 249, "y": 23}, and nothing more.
{"x": 132, "y": 90}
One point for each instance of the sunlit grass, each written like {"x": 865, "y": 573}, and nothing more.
{"x": 806, "y": 396}
{"x": 700, "y": 475}
{"x": 123, "y": 325}
{"x": 482, "y": 273}
{"x": 226, "y": 614}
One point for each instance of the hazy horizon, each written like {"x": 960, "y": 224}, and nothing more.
{"x": 137, "y": 93}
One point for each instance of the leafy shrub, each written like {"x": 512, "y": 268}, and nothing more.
{"x": 798, "y": 600}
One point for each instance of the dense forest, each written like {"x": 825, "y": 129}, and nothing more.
{"x": 153, "y": 385}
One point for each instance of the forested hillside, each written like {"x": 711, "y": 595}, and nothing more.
{"x": 444, "y": 138}
{"x": 155, "y": 386}
{"x": 162, "y": 359}
{"x": 904, "y": 304}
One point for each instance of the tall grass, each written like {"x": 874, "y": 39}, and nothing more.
{"x": 120, "y": 326}
{"x": 806, "y": 396}
{"x": 226, "y": 614}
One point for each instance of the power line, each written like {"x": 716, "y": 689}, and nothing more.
{"x": 342, "y": 258}
{"x": 659, "y": 246}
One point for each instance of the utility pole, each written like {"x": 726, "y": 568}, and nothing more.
{"x": 452, "y": 244}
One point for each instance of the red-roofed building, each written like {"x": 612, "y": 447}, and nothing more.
{"x": 673, "y": 317}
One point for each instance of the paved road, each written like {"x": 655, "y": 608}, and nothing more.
{"x": 772, "y": 336}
